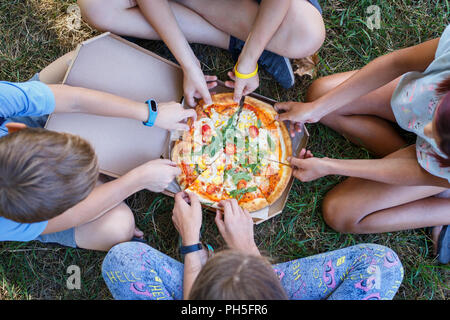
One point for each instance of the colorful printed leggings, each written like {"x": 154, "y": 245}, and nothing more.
{"x": 134, "y": 271}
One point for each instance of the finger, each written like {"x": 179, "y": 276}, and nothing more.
{"x": 206, "y": 95}
{"x": 179, "y": 196}
{"x": 229, "y": 84}
{"x": 309, "y": 154}
{"x": 298, "y": 127}
{"x": 282, "y": 106}
{"x": 302, "y": 153}
{"x": 219, "y": 221}
{"x": 181, "y": 127}
{"x": 285, "y": 116}
{"x": 190, "y": 99}
{"x": 211, "y": 85}
{"x": 292, "y": 128}
{"x": 189, "y": 113}
{"x": 195, "y": 202}
{"x": 235, "y": 206}
{"x": 210, "y": 78}
{"x": 227, "y": 209}
{"x": 231, "y": 75}
{"x": 295, "y": 162}
{"x": 238, "y": 89}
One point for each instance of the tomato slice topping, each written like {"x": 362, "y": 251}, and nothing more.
{"x": 242, "y": 184}
{"x": 206, "y": 132}
{"x": 230, "y": 149}
{"x": 210, "y": 189}
{"x": 253, "y": 131}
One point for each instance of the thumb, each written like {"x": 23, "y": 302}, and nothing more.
{"x": 286, "y": 116}
{"x": 296, "y": 162}
{"x": 282, "y": 106}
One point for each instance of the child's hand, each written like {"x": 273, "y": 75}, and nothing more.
{"x": 187, "y": 217}
{"x": 197, "y": 85}
{"x": 307, "y": 168}
{"x": 156, "y": 175}
{"x": 236, "y": 226}
{"x": 298, "y": 112}
{"x": 172, "y": 116}
{"x": 242, "y": 87}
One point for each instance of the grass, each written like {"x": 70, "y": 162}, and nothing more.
{"x": 34, "y": 32}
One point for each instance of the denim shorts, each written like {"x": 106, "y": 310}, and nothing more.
{"x": 315, "y": 3}
{"x": 65, "y": 238}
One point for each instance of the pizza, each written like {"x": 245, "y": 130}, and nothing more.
{"x": 234, "y": 152}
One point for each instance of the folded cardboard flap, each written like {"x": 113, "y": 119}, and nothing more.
{"x": 111, "y": 64}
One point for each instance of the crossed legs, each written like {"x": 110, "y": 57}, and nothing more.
{"x": 364, "y": 206}
{"x": 211, "y": 22}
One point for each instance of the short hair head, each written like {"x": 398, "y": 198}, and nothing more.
{"x": 44, "y": 173}
{"x": 234, "y": 275}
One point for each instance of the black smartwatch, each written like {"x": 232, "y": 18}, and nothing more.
{"x": 192, "y": 248}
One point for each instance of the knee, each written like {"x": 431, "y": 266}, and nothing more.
{"x": 96, "y": 13}
{"x": 337, "y": 214}
{"x": 305, "y": 37}
{"x": 318, "y": 88}
{"x": 122, "y": 224}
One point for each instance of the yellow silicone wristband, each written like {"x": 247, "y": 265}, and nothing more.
{"x": 245, "y": 76}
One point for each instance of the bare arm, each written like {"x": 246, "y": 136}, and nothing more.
{"x": 159, "y": 14}
{"x": 378, "y": 73}
{"x": 374, "y": 75}
{"x": 399, "y": 168}
{"x": 102, "y": 199}
{"x": 76, "y": 99}
{"x": 406, "y": 172}
{"x": 154, "y": 175}
{"x": 271, "y": 14}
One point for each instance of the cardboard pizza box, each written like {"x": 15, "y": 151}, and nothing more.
{"x": 111, "y": 64}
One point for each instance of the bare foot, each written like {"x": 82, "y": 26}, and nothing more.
{"x": 435, "y": 237}
{"x": 138, "y": 233}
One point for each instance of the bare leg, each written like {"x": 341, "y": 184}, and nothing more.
{"x": 114, "y": 227}
{"x": 54, "y": 73}
{"x": 111, "y": 228}
{"x": 365, "y": 121}
{"x": 123, "y": 17}
{"x": 364, "y": 206}
{"x": 211, "y": 22}
{"x": 301, "y": 33}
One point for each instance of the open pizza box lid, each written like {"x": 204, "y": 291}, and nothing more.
{"x": 111, "y": 64}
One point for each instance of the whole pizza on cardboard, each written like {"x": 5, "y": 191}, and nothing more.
{"x": 234, "y": 152}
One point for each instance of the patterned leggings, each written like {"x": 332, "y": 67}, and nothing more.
{"x": 135, "y": 271}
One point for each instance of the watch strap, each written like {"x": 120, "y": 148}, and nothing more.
{"x": 191, "y": 248}
{"x": 152, "y": 112}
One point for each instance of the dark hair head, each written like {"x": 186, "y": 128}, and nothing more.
{"x": 234, "y": 275}
{"x": 44, "y": 173}
{"x": 442, "y": 122}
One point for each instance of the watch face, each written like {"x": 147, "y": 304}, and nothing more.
{"x": 153, "y": 105}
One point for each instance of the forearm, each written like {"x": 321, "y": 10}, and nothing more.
{"x": 102, "y": 199}
{"x": 376, "y": 74}
{"x": 159, "y": 14}
{"x": 396, "y": 171}
{"x": 270, "y": 15}
{"x": 192, "y": 267}
{"x": 75, "y": 99}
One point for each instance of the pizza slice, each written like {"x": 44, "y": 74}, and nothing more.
{"x": 182, "y": 155}
{"x": 240, "y": 184}
{"x": 209, "y": 184}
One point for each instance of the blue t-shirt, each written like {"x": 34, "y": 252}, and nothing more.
{"x": 32, "y": 98}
